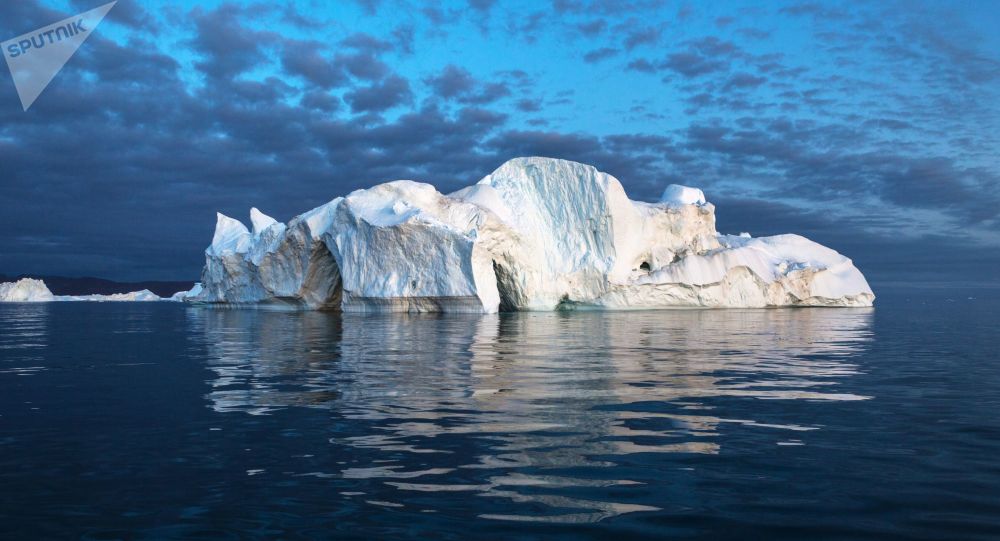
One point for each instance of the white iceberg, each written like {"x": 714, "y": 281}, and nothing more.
{"x": 133, "y": 296}
{"x": 25, "y": 290}
{"x": 32, "y": 290}
{"x": 536, "y": 234}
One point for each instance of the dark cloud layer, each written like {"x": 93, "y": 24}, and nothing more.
{"x": 117, "y": 171}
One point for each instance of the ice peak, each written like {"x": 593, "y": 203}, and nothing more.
{"x": 230, "y": 235}
{"x": 260, "y": 221}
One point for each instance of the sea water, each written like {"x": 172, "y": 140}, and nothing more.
{"x": 164, "y": 421}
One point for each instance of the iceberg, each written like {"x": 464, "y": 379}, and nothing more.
{"x": 536, "y": 234}
{"x": 25, "y": 290}
{"x": 133, "y": 296}
{"x": 32, "y": 290}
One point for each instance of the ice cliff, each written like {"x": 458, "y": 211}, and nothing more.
{"x": 536, "y": 234}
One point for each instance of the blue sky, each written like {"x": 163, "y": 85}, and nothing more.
{"x": 871, "y": 127}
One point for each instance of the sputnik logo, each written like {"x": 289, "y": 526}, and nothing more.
{"x": 36, "y": 57}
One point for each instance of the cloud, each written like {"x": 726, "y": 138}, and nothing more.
{"x": 724, "y": 21}
{"x": 814, "y": 10}
{"x": 440, "y": 17}
{"x": 452, "y": 82}
{"x": 369, "y": 7}
{"x": 642, "y": 65}
{"x": 291, "y": 15}
{"x": 641, "y": 36}
{"x": 698, "y": 57}
{"x": 404, "y": 36}
{"x": 539, "y": 143}
{"x": 226, "y": 47}
{"x": 489, "y": 93}
{"x": 692, "y": 64}
{"x": 378, "y": 97}
{"x": 482, "y": 6}
{"x": 939, "y": 183}
{"x": 869, "y": 146}
{"x": 130, "y": 14}
{"x": 17, "y": 18}
{"x": 592, "y": 28}
{"x": 320, "y": 101}
{"x": 598, "y": 55}
{"x": 364, "y": 65}
{"x": 526, "y": 26}
{"x": 456, "y": 83}
{"x": 743, "y": 81}
{"x": 715, "y": 47}
{"x": 303, "y": 58}
{"x": 366, "y": 43}
{"x": 754, "y": 33}
{"x": 606, "y": 7}
{"x": 528, "y": 105}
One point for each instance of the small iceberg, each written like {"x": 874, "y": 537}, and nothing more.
{"x": 32, "y": 290}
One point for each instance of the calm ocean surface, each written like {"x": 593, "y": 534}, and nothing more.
{"x": 160, "y": 421}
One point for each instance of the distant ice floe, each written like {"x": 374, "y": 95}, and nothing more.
{"x": 144, "y": 295}
{"x": 32, "y": 290}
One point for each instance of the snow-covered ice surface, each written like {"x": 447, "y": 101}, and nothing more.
{"x": 32, "y": 290}
{"x": 675, "y": 194}
{"x": 536, "y": 234}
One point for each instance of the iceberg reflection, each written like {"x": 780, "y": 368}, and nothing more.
{"x": 24, "y": 335}
{"x": 532, "y": 407}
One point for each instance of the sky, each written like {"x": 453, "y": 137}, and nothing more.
{"x": 871, "y": 127}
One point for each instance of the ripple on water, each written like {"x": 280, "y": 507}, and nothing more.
{"x": 535, "y": 409}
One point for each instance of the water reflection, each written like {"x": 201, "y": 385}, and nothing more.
{"x": 24, "y": 334}
{"x": 532, "y": 408}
